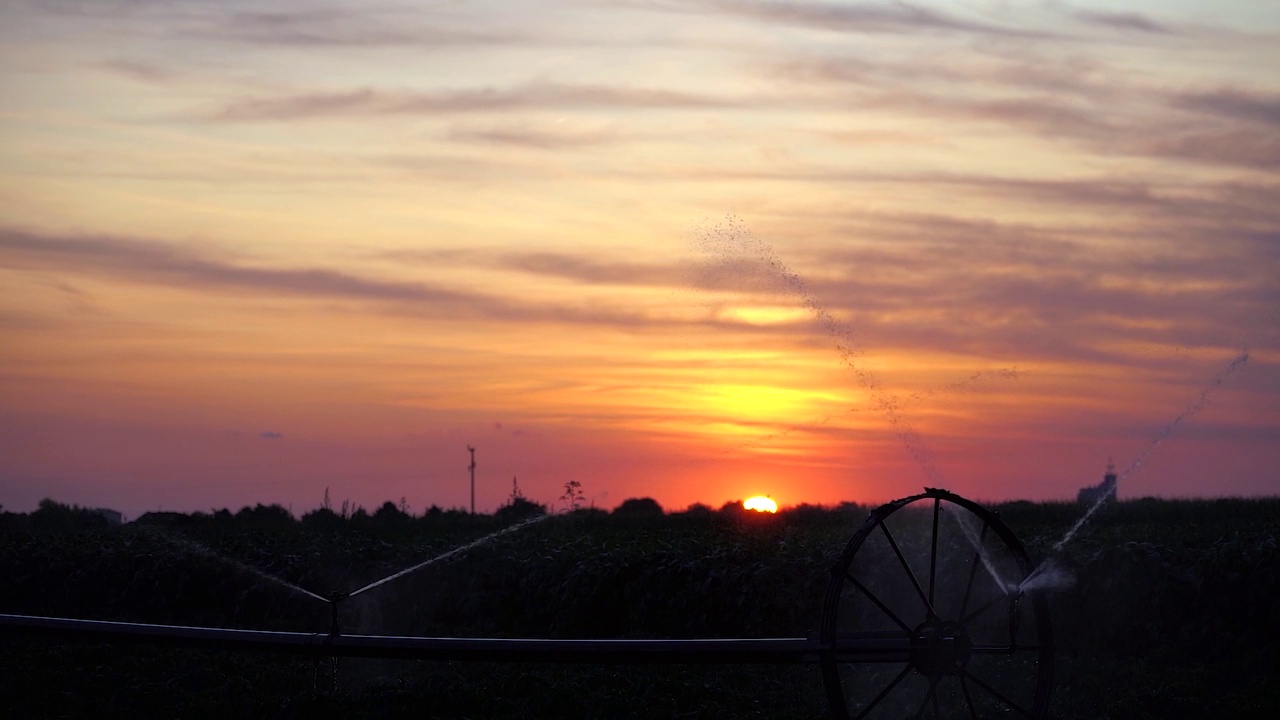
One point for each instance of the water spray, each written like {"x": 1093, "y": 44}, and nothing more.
{"x": 446, "y": 555}
{"x": 336, "y": 598}
{"x": 1193, "y": 407}
{"x": 717, "y": 239}
{"x": 193, "y": 546}
{"x": 1050, "y": 574}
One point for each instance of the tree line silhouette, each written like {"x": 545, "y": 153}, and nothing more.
{"x": 396, "y": 518}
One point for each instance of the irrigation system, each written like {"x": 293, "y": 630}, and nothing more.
{"x": 926, "y": 615}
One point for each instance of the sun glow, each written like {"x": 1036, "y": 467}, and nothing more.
{"x": 760, "y": 503}
{"x": 756, "y": 402}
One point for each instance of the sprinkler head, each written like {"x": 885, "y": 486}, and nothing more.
{"x": 334, "y": 598}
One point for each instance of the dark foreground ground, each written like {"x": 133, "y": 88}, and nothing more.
{"x": 1175, "y": 611}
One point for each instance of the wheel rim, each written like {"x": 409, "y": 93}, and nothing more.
{"x": 933, "y": 578}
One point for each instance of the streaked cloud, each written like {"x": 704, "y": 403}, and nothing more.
{"x": 538, "y": 95}
{"x": 1122, "y": 21}
{"x": 1051, "y": 106}
{"x": 139, "y": 70}
{"x": 869, "y": 17}
{"x": 175, "y": 266}
{"x": 1234, "y": 104}
{"x": 545, "y": 138}
{"x": 179, "y": 266}
{"x": 589, "y": 269}
{"x": 328, "y": 27}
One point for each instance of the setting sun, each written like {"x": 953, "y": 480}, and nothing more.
{"x": 760, "y": 503}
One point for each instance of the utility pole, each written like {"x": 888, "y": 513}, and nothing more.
{"x": 472, "y": 467}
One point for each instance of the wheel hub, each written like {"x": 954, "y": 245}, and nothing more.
{"x": 940, "y": 648}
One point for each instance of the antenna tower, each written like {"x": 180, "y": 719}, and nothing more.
{"x": 472, "y": 468}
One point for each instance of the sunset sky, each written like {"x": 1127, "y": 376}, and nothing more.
{"x": 694, "y": 251}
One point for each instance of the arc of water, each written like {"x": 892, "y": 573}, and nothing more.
{"x": 1193, "y": 407}
{"x": 447, "y": 555}
{"x": 199, "y": 549}
{"x": 715, "y": 240}
{"x": 718, "y": 240}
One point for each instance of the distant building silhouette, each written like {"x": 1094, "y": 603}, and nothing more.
{"x": 1106, "y": 489}
{"x": 113, "y": 517}
{"x": 162, "y": 518}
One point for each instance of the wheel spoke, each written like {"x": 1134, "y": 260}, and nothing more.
{"x": 987, "y": 606}
{"x": 876, "y": 701}
{"x": 933, "y": 550}
{"x": 924, "y": 703}
{"x": 964, "y": 686}
{"x": 998, "y": 695}
{"x": 884, "y": 608}
{"x": 914, "y": 583}
{"x": 973, "y": 569}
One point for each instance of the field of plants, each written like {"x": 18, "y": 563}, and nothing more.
{"x": 1172, "y": 613}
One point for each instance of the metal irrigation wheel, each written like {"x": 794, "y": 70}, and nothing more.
{"x": 939, "y": 574}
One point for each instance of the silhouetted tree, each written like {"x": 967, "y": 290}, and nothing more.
{"x": 388, "y": 511}
{"x": 807, "y": 515}
{"x": 52, "y": 515}
{"x": 264, "y": 516}
{"x": 389, "y": 518}
{"x": 519, "y": 509}
{"x": 699, "y": 510}
{"x": 324, "y": 520}
{"x": 639, "y": 507}
{"x": 696, "y": 515}
{"x": 732, "y": 509}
